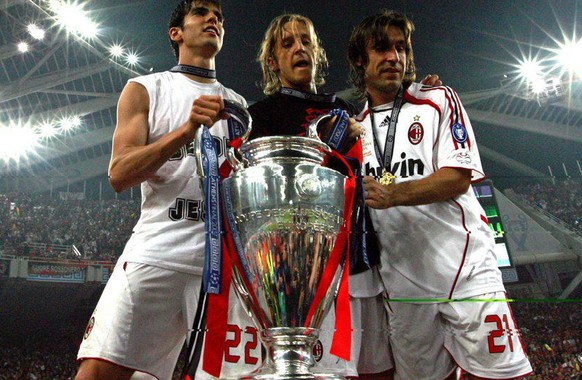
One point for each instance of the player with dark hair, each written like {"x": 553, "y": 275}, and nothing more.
{"x": 140, "y": 324}
{"x": 437, "y": 248}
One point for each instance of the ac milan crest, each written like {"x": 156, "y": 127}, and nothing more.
{"x": 415, "y": 133}
{"x": 318, "y": 350}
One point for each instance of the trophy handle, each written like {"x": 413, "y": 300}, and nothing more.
{"x": 198, "y": 153}
{"x": 312, "y": 129}
{"x": 233, "y": 159}
{"x": 242, "y": 116}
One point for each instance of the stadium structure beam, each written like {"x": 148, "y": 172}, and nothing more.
{"x": 8, "y": 51}
{"x": 79, "y": 109}
{"x": 473, "y": 97}
{"x": 572, "y": 104}
{"x": 17, "y": 90}
{"x": 543, "y": 257}
{"x": 79, "y": 93}
{"x": 561, "y": 131}
{"x": 509, "y": 162}
{"x": 571, "y": 286}
{"x": 5, "y": 4}
{"x": 67, "y": 146}
{"x": 54, "y": 48}
{"x": 62, "y": 176}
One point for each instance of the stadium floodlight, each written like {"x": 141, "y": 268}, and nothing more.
{"x": 36, "y": 32}
{"x": 70, "y": 123}
{"x": 132, "y": 59}
{"x": 47, "y": 130}
{"x": 74, "y": 18}
{"x": 531, "y": 70}
{"x": 569, "y": 57}
{"x": 16, "y": 141}
{"x": 116, "y": 50}
{"x": 22, "y": 47}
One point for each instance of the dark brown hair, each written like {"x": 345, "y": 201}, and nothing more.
{"x": 177, "y": 19}
{"x": 373, "y": 29}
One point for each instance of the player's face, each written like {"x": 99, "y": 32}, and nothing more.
{"x": 386, "y": 64}
{"x": 294, "y": 61}
{"x": 203, "y": 28}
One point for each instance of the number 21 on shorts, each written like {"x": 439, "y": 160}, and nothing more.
{"x": 502, "y": 328}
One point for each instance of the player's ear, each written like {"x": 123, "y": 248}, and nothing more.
{"x": 273, "y": 65}
{"x": 175, "y": 33}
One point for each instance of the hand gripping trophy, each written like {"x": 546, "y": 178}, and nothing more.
{"x": 284, "y": 212}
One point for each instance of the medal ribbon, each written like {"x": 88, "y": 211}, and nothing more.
{"x": 326, "y": 98}
{"x": 212, "y": 249}
{"x": 339, "y": 130}
{"x": 386, "y": 159}
{"x": 239, "y": 126}
{"x": 194, "y": 70}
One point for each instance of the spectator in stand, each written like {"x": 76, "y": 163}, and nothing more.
{"x": 34, "y": 223}
{"x": 563, "y": 200}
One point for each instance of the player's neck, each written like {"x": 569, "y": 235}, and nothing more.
{"x": 198, "y": 61}
{"x": 309, "y": 88}
{"x": 378, "y": 98}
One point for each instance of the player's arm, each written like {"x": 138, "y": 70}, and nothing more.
{"x": 444, "y": 184}
{"x": 132, "y": 159}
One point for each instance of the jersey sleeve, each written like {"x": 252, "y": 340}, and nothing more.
{"x": 456, "y": 145}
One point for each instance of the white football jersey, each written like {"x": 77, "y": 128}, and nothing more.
{"x": 443, "y": 249}
{"x": 170, "y": 231}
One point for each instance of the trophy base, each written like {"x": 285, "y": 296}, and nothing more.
{"x": 289, "y": 356}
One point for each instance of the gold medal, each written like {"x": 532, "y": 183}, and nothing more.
{"x": 387, "y": 178}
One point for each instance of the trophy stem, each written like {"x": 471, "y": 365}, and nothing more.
{"x": 289, "y": 355}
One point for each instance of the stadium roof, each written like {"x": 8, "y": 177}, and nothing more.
{"x": 67, "y": 83}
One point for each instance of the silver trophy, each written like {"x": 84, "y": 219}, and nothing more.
{"x": 285, "y": 211}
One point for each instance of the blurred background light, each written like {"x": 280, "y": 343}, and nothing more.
{"x": 74, "y": 18}
{"x": 22, "y": 47}
{"x": 36, "y": 32}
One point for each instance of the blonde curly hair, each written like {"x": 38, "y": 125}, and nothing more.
{"x": 271, "y": 82}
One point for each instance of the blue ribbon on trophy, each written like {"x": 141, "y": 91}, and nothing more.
{"x": 211, "y": 187}
{"x": 339, "y": 129}
{"x": 239, "y": 121}
{"x": 363, "y": 243}
{"x": 238, "y": 127}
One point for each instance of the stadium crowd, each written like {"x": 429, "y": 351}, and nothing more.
{"x": 33, "y": 225}
{"x": 552, "y": 337}
{"x": 550, "y": 331}
{"x": 562, "y": 199}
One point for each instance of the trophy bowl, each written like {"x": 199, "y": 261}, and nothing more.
{"x": 285, "y": 211}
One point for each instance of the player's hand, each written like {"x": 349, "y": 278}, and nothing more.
{"x": 206, "y": 110}
{"x": 378, "y": 196}
{"x": 355, "y": 132}
{"x": 432, "y": 80}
